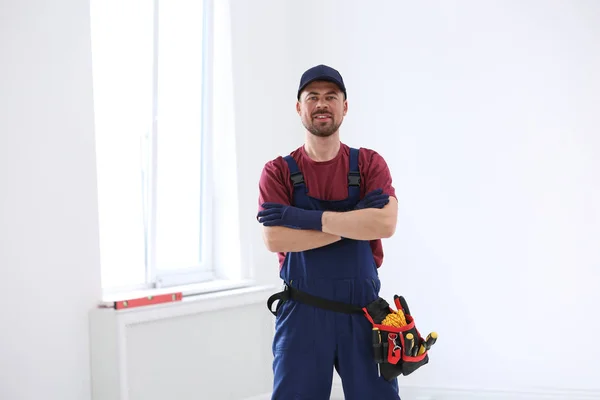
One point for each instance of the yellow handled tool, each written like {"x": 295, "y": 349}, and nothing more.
{"x": 409, "y": 342}
{"x": 377, "y": 349}
{"x": 431, "y": 339}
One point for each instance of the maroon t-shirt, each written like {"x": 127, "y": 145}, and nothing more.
{"x": 326, "y": 180}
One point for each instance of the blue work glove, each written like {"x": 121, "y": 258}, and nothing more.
{"x": 374, "y": 199}
{"x": 292, "y": 217}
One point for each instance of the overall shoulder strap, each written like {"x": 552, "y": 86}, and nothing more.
{"x": 354, "y": 174}
{"x": 296, "y": 176}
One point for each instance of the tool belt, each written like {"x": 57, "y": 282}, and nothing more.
{"x": 398, "y": 347}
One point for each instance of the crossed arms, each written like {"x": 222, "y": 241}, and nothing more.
{"x": 363, "y": 224}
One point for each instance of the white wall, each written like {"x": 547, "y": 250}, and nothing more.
{"x": 484, "y": 111}
{"x": 487, "y": 113}
{"x": 264, "y": 78}
{"x": 49, "y": 254}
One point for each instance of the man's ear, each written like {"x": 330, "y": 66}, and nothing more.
{"x": 345, "y": 107}
{"x": 298, "y": 107}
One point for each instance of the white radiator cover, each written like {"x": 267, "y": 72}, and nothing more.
{"x": 215, "y": 348}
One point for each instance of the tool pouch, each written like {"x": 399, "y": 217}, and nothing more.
{"x": 392, "y": 351}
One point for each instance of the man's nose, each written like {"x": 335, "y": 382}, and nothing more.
{"x": 321, "y": 104}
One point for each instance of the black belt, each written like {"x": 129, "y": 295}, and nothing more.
{"x": 302, "y": 297}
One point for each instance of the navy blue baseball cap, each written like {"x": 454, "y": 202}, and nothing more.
{"x": 321, "y": 73}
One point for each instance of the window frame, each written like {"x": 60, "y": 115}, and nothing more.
{"x": 205, "y": 272}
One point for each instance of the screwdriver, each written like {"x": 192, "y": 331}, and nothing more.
{"x": 377, "y": 349}
{"x": 416, "y": 348}
{"x": 409, "y": 342}
{"x": 421, "y": 349}
{"x": 430, "y": 341}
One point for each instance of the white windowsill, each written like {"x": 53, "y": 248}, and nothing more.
{"x": 216, "y": 285}
{"x": 198, "y": 298}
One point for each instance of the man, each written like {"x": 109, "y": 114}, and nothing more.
{"x": 324, "y": 210}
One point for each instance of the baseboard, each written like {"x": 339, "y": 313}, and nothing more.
{"x": 266, "y": 396}
{"x": 425, "y": 393}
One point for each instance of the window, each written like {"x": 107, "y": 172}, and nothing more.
{"x": 152, "y": 105}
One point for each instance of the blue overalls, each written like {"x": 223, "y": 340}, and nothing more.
{"x": 309, "y": 340}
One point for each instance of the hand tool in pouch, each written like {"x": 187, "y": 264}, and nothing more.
{"x": 409, "y": 343}
{"x": 421, "y": 349}
{"x": 377, "y": 349}
{"x": 430, "y": 341}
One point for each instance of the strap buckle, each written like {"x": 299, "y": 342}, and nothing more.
{"x": 297, "y": 178}
{"x": 354, "y": 178}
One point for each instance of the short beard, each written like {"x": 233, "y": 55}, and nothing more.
{"x": 326, "y": 131}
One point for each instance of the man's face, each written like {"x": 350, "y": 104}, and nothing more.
{"x": 322, "y": 108}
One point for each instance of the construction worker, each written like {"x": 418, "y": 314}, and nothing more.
{"x": 324, "y": 209}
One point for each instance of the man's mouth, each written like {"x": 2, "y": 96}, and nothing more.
{"x": 322, "y": 117}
